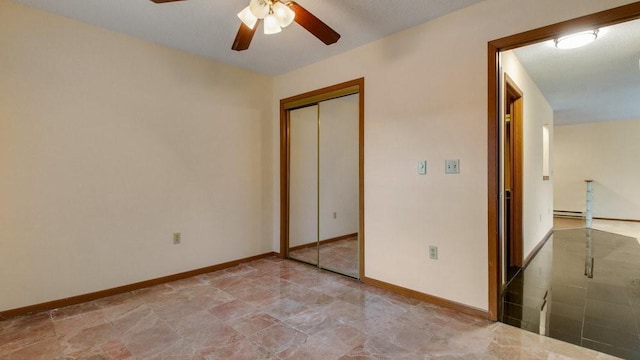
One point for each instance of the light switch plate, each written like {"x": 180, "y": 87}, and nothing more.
{"x": 422, "y": 167}
{"x": 452, "y": 166}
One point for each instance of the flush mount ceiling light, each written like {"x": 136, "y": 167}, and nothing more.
{"x": 576, "y": 40}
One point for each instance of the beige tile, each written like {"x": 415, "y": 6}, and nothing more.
{"x": 269, "y": 309}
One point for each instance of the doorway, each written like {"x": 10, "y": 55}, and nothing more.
{"x": 600, "y": 19}
{"x": 512, "y": 170}
{"x": 322, "y": 178}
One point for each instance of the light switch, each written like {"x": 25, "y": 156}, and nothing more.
{"x": 452, "y": 166}
{"x": 422, "y": 167}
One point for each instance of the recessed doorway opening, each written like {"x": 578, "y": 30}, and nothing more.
{"x": 500, "y": 255}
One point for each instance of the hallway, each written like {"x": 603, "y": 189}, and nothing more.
{"x": 556, "y": 296}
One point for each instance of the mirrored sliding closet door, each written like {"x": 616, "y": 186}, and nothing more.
{"x": 303, "y": 184}
{"x": 324, "y": 184}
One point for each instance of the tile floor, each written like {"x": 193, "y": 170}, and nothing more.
{"x": 339, "y": 256}
{"x": 554, "y": 296}
{"x": 269, "y": 309}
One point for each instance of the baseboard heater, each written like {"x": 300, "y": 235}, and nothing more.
{"x": 569, "y": 214}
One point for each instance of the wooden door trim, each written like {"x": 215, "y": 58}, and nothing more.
{"x": 517, "y": 124}
{"x": 307, "y": 99}
{"x": 599, "y": 19}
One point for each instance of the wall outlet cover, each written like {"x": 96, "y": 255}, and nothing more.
{"x": 452, "y": 166}
{"x": 433, "y": 252}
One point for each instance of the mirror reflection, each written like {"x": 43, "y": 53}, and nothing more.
{"x": 303, "y": 184}
{"x": 324, "y": 184}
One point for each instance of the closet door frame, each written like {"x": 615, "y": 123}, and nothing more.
{"x": 355, "y": 86}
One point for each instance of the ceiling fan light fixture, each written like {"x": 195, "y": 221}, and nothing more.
{"x": 271, "y": 24}
{"x": 284, "y": 14}
{"x": 259, "y": 8}
{"x": 248, "y": 18}
{"x": 576, "y": 40}
{"x": 280, "y": 13}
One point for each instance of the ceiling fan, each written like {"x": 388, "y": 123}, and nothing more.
{"x": 276, "y": 14}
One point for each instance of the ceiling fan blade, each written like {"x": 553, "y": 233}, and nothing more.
{"x": 244, "y": 37}
{"x": 314, "y": 25}
{"x": 164, "y": 1}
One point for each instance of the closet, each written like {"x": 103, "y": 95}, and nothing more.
{"x": 324, "y": 178}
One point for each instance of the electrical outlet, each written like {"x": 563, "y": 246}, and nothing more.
{"x": 177, "y": 238}
{"x": 452, "y": 166}
{"x": 433, "y": 252}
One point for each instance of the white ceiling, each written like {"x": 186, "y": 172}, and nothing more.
{"x": 597, "y": 82}
{"x": 208, "y": 27}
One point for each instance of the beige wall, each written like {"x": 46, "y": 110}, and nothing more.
{"x": 110, "y": 144}
{"x": 426, "y": 98}
{"x": 537, "y": 212}
{"x": 607, "y": 153}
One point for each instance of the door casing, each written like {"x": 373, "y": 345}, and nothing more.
{"x": 513, "y": 100}
{"x": 600, "y": 19}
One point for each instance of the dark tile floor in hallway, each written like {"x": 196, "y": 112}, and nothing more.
{"x": 555, "y": 296}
